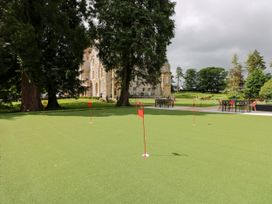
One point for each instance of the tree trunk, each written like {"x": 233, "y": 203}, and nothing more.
{"x": 125, "y": 80}
{"x": 52, "y": 100}
{"x": 178, "y": 85}
{"x": 31, "y": 100}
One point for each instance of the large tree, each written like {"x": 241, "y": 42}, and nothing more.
{"x": 47, "y": 39}
{"x": 212, "y": 79}
{"x": 62, "y": 40}
{"x": 179, "y": 75}
{"x": 235, "y": 77}
{"x": 190, "y": 79}
{"x": 132, "y": 37}
{"x": 255, "y": 61}
{"x": 20, "y": 38}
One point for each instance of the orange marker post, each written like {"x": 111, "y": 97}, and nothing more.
{"x": 90, "y": 104}
{"x": 194, "y": 112}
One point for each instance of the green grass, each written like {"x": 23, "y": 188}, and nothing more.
{"x": 65, "y": 104}
{"x": 191, "y": 95}
{"x": 181, "y": 102}
{"x": 81, "y": 103}
{"x": 58, "y": 157}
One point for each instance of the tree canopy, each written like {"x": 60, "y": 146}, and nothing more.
{"x": 253, "y": 84}
{"x": 266, "y": 90}
{"x": 190, "y": 79}
{"x": 255, "y": 61}
{"x": 132, "y": 37}
{"x": 212, "y": 79}
{"x": 235, "y": 77}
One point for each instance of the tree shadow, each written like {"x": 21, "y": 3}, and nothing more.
{"x": 103, "y": 112}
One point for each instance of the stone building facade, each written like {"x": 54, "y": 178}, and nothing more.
{"x": 99, "y": 83}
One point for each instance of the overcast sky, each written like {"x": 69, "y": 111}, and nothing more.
{"x": 209, "y": 32}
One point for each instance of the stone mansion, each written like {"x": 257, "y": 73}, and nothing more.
{"x": 99, "y": 83}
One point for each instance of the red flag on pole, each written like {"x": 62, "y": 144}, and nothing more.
{"x": 141, "y": 113}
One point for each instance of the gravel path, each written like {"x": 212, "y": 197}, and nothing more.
{"x": 211, "y": 110}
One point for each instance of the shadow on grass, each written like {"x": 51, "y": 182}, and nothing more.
{"x": 102, "y": 112}
{"x": 173, "y": 154}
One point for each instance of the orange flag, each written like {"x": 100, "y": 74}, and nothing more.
{"x": 141, "y": 113}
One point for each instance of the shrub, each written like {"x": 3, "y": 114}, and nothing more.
{"x": 266, "y": 90}
{"x": 254, "y": 82}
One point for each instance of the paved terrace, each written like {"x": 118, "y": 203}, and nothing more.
{"x": 211, "y": 110}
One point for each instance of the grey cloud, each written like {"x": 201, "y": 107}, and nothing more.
{"x": 209, "y": 32}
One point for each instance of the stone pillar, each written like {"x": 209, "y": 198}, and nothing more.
{"x": 166, "y": 81}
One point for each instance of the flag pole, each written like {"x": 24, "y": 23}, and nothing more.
{"x": 141, "y": 114}
{"x": 145, "y": 153}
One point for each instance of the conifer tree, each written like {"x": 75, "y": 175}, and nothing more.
{"x": 256, "y": 77}
{"x": 235, "y": 77}
{"x": 255, "y": 61}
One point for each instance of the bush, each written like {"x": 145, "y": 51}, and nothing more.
{"x": 254, "y": 82}
{"x": 266, "y": 90}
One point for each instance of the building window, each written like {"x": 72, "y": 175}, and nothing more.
{"x": 143, "y": 89}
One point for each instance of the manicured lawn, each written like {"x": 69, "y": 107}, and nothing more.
{"x": 181, "y": 102}
{"x": 59, "y": 158}
{"x": 65, "y": 104}
{"x": 191, "y": 95}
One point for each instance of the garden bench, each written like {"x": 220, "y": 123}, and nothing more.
{"x": 164, "y": 102}
{"x": 236, "y": 105}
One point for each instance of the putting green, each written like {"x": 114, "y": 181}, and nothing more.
{"x": 60, "y": 158}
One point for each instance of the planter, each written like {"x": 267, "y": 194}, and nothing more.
{"x": 264, "y": 107}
